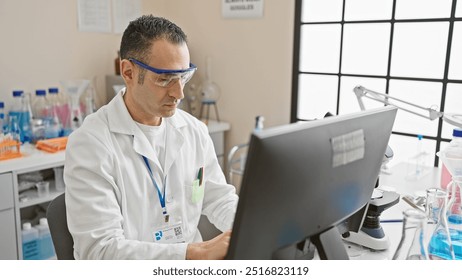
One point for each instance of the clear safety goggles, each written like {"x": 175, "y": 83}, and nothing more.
{"x": 167, "y": 78}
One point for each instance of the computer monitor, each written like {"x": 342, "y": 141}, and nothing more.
{"x": 308, "y": 182}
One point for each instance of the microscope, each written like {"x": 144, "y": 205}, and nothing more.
{"x": 371, "y": 234}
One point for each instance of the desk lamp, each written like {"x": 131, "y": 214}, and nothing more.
{"x": 371, "y": 234}
{"x": 432, "y": 112}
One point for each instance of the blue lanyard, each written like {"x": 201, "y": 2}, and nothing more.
{"x": 159, "y": 193}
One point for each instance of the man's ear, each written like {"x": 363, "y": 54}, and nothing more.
{"x": 127, "y": 71}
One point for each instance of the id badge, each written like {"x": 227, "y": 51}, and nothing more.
{"x": 169, "y": 233}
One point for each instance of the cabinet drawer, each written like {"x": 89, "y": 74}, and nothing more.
{"x": 6, "y": 191}
{"x": 7, "y": 236}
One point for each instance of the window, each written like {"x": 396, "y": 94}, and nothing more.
{"x": 408, "y": 49}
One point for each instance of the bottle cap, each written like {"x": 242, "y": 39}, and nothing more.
{"x": 26, "y": 226}
{"x": 17, "y": 93}
{"x": 43, "y": 221}
{"x": 53, "y": 90}
{"x": 40, "y": 92}
{"x": 457, "y": 132}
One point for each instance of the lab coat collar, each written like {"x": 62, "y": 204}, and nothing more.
{"x": 120, "y": 121}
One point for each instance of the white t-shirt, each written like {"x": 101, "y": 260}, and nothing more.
{"x": 157, "y": 136}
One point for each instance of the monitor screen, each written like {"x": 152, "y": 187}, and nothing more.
{"x": 305, "y": 181}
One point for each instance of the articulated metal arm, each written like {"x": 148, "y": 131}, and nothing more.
{"x": 431, "y": 113}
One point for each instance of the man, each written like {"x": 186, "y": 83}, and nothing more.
{"x": 139, "y": 173}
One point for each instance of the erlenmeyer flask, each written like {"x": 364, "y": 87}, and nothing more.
{"x": 412, "y": 245}
{"x": 438, "y": 234}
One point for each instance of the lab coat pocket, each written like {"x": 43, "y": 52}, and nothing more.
{"x": 194, "y": 198}
{"x": 197, "y": 194}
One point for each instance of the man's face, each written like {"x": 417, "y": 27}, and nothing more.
{"x": 150, "y": 97}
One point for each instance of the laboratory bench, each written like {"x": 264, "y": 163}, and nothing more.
{"x": 19, "y": 199}
{"x": 401, "y": 179}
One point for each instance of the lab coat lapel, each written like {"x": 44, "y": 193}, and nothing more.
{"x": 175, "y": 140}
{"x": 142, "y": 146}
{"x": 120, "y": 121}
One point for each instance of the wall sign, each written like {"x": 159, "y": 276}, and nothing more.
{"x": 242, "y": 8}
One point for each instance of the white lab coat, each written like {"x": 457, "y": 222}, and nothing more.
{"x": 112, "y": 204}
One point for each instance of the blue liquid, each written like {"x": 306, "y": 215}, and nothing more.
{"x": 23, "y": 118}
{"x": 30, "y": 250}
{"x": 439, "y": 248}
{"x": 46, "y": 247}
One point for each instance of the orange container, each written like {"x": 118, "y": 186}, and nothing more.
{"x": 10, "y": 149}
{"x": 52, "y": 145}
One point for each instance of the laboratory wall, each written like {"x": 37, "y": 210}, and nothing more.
{"x": 251, "y": 58}
{"x": 41, "y": 45}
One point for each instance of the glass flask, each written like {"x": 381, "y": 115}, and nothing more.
{"x": 438, "y": 235}
{"x": 412, "y": 245}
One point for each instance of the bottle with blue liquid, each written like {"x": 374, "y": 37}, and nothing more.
{"x": 46, "y": 248}
{"x": 20, "y": 110}
{"x": 30, "y": 245}
{"x": 3, "y": 123}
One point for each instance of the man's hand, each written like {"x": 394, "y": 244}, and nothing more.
{"x": 214, "y": 249}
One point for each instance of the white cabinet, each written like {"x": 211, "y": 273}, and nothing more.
{"x": 217, "y": 133}
{"x": 19, "y": 200}
{"x": 8, "y": 248}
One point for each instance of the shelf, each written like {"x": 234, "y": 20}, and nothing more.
{"x": 33, "y": 198}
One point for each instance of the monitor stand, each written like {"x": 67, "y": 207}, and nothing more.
{"x": 330, "y": 245}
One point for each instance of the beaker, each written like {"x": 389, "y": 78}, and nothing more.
{"x": 412, "y": 245}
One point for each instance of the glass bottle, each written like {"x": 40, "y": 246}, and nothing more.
{"x": 412, "y": 246}
{"x": 438, "y": 235}
{"x": 53, "y": 123}
{"x": 40, "y": 111}
{"x": 13, "y": 128}
{"x": 21, "y": 109}
{"x": 2, "y": 118}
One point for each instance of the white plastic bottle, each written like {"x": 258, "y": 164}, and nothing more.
{"x": 30, "y": 245}
{"x": 47, "y": 250}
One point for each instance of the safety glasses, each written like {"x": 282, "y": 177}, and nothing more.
{"x": 167, "y": 78}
